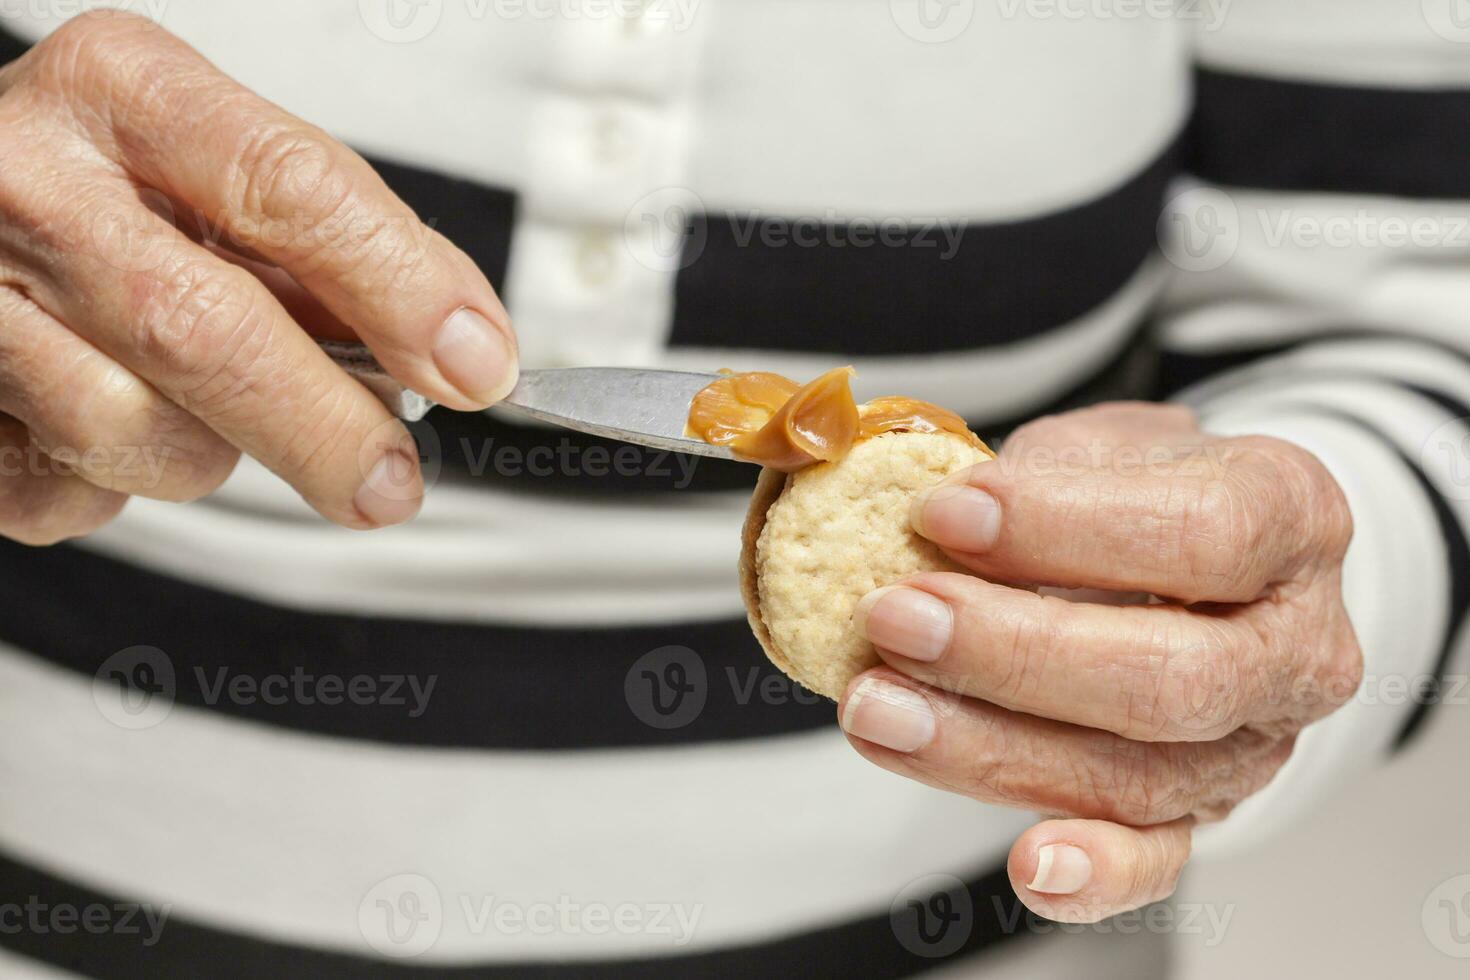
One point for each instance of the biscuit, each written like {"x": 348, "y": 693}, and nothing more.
{"x": 816, "y": 541}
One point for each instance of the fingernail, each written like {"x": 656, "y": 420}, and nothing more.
{"x": 905, "y": 621}
{"x": 957, "y": 516}
{"x": 888, "y": 715}
{"x": 1061, "y": 869}
{"x": 476, "y": 357}
{"x": 392, "y": 492}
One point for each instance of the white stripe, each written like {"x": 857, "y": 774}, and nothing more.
{"x": 1406, "y": 361}
{"x": 475, "y": 554}
{"x": 15, "y": 967}
{"x": 1342, "y": 42}
{"x": 282, "y": 835}
{"x": 1291, "y": 265}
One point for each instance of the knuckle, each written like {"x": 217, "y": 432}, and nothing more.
{"x": 1219, "y": 539}
{"x": 1320, "y": 505}
{"x": 1300, "y": 495}
{"x": 284, "y": 168}
{"x": 125, "y": 436}
{"x": 95, "y": 41}
{"x": 1196, "y": 696}
{"x": 203, "y": 326}
{"x": 180, "y": 459}
{"x": 1341, "y": 672}
{"x": 309, "y": 191}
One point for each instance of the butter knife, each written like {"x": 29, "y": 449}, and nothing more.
{"x": 642, "y": 406}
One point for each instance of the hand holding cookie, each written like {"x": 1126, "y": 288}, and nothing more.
{"x": 1127, "y": 722}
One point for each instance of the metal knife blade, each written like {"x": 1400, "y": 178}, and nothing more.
{"x": 643, "y": 406}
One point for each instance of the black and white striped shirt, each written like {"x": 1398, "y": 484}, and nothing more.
{"x": 530, "y": 734}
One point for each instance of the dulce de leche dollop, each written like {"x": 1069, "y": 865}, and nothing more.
{"x": 767, "y": 419}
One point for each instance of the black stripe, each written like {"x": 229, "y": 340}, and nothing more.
{"x": 1000, "y": 286}
{"x": 11, "y": 47}
{"x": 1302, "y": 136}
{"x": 495, "y": 686}
{"x": 535, "y": 459}
{"x": 476, "y": 217}
{"x": 864, "y": 948}
{"x": 1459, "y": 573}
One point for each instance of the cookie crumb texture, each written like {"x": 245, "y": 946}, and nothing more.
{"x": 836, "y": 532}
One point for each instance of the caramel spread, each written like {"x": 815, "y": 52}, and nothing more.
{"x": 767, "y": 419}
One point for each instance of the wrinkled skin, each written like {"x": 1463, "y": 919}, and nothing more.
{"x": 1128, "y": 722}
{"x": 169, "y": 245}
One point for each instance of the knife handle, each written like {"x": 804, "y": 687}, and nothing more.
{"x": 358, "y": 361}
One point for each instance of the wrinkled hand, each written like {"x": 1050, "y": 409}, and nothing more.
{"x": 169, "y": 242}
{"x": 1129, "y": 723}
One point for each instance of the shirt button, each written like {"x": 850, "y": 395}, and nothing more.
{"x": 596, "y": 258}
{"x": 609, "y": 141}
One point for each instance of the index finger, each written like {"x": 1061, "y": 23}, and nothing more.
{"x": 1219, "y": 522}
{"x": 287, "y": 191}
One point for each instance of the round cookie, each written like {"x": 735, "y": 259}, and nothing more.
{"x": 816, "y": 541}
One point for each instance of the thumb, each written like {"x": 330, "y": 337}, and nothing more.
{"x": 1087, "y": 870}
